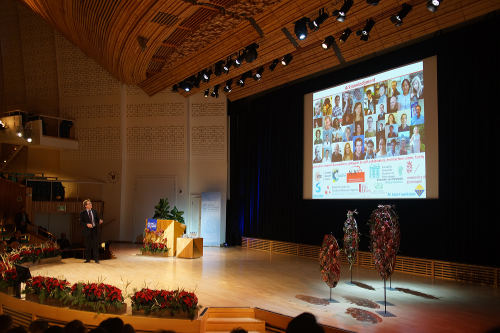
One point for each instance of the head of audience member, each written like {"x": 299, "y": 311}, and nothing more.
{"x": 75, "y": 326}
{"x": 127, "y": 328}
{"x": 406, "y": 87}
{"x": 337, "y": 100}
{"x": 112, "y": 325}
{"x": 17, "y": 329}
{"x": 55, "y": 329}
{"x": 239, "y": 330}
{"x": 305, "y": 322}
{"x": 38, "y": 326}
{"x": 5, "y": 323}
{"x": 393, "y": 104}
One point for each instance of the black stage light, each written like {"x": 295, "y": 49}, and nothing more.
{"x": 246, "y": 75}
{"x": 345, "y": 34}
{"x": 207, "y": 91}
{"x": 258, "y": 75}
{"x": 433, "y": 5}
{"x": 342, "y": 12}
{"x": 206, "y": 74}
{"x": 215, "y": 92}
{"x": 251, "y": 52}
{"x": 398, "y": 18}
{"x": 327, "y": 42}
{"x": 239, "y": 59}
{"x": 272, "y": 66}
{"x": 227, "y": 65}
{"x": 365, "y": 33}
{"x": 316, "y": 23}
{"x": 286, "y": 59}
{"x": 372, "y": 2}
{"x": 301, "y": 28}
{"x": 175, "y": 88}
{"x": 186, "y": 85}
{"x": 218, "y": 68}
{"x": 197, "y": 80}
{"x": 227, "y": 87}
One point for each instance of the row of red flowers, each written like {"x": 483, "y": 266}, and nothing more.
{"x": 170, "y": 301}
{"x": 32, "y": 253}
{"x": 154, "y": 247}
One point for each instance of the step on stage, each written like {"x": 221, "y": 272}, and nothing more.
{"x": 290, "y": 285}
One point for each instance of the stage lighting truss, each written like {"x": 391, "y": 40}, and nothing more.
{"x": 398, "y": 18}
{"x": 433, "y": 5}
{"x": 327, "y": 42}
{"x": 342, "y": 12}
{"x": 206, "y": 74}
{"x": 227, "y": 65}
{"x": 186, "y": 85}
{"x": 364, "y": 34}
{"x": 286, "y": 59}
{"x": 345, "y": 34}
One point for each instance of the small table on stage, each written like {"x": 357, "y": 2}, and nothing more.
{"x": 189, "y": 247}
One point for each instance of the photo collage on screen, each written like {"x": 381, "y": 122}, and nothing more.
{"x": 379, "y": 120}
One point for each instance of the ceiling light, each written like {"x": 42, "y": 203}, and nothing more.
{"x": 218, "y": 68}
{"x": 301, "y": 28}
{"x": 215, "y": 92}
{"x": 398, "y": 18}
{"x": 316, "y": 23}
{"x": 241, "y": 81}
{"x": 286, "y": 59}
{"x": 272, "y": 66}
{"x": 433, "y": 5}
{"x": 206, "y": 74}
{"x": 196, "y": 80}
{"x": 258, "y": 75}
{"x": 372, "y": 2}
{"x": 19, "y": 131}
{"x": 175, "y": 88}
{"x": 251, "y": 52}
{"x": 207, "y": 91}
{"x": 347, "y": 32}
{"x": 342, "y": 12}
{"x": 365, "y": 33}
{"x": 186, "y": 85}
{"x": 29, "y": 139}
{"x": 227, "y": 87}
{"x": 327, "y": 42}
{"x": 2, "y": 125}
{"x": 227, "y": 65}
{"x": 239, "y": 60}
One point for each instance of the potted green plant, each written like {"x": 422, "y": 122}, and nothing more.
{"x": 162, "y": 211}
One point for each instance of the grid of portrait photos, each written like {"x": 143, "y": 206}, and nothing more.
{"x": 380, "y": 120}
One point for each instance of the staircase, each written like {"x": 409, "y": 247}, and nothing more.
{"x": 218, "y": 320}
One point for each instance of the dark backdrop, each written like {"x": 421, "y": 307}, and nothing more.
{"x": 266, "y": 153}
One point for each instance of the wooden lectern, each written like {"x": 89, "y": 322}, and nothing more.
{"x": 173, "y": 230}
{"x": 189, "y": 248}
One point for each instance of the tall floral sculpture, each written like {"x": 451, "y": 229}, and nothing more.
{"x": 329, "y": 261}
{"x": 384, "y": 239}
{"x": 351, "y": 238}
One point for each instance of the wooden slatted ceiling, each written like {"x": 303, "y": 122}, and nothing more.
{"x": 185, "y": 37}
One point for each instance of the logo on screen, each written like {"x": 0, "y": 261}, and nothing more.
{"x": 334, "y": 175}
{"x": 152, "y": 225}
{"x": 419, "y": 190}
{"x": 317, "y": 187}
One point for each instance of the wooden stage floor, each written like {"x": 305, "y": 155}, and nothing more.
{"x": 290, "y": 285}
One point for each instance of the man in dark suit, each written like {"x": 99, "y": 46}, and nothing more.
{"x": 89, "y": 219}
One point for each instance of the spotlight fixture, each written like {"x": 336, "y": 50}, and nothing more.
{"x": 215, "y": 92}
{"x": 19, "y": 131}
{"x": 196, "y": 80}
{"x": 258, "y": 75}
{"x": 364, "y": 34}
{"x": 322, "y": 16}
{"x": 372, "y": 2}
{"x": 251, "y": 52}
{"x": 227, "y": 65}
{"x": 433, "y": 5}
{"x": 286, "y": 59}
{"x": 27, "y": 132}
{"x": 186, "y": 85}
{"x": 347, "y": 32}
{"x": 218, "y": 68}
{"x": 206, "y": 74}
{"x": 241, "y": 81}
{"x": 239, "y": 59}
{"x": 327, "y": 42}
{"x": 272, "y": 66}
{"x": 398, "y": 18}
{"x": 175, "y": 88}
{"x": 207, "y": 91}
{"x": 29, "y": 139}
{"x": 227, "y": 87}
{"x": 301, "y": 28}
{"x": 342, "y": 12}
{"x": 2, "y": 125}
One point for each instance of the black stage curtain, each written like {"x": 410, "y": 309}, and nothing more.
{"x": 266, "y": 154}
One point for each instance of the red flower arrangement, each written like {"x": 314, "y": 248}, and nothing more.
{"x": 8, "y": 273}
{"x": 154, "y": 242}
{"x": 351, "y": 238}
{"x": 165, "y": 302}
{"x": 384, "y": 239}
{"x": 32, "y": 253}
{"x": 329, "y": 261}
{"x": 48, "y": 288}
{"x": 99, "y": 297}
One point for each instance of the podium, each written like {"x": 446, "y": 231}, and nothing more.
{"x": 173, "y": 230}
{"x": 189, "y": 248}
